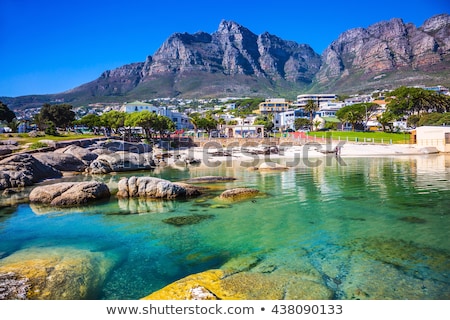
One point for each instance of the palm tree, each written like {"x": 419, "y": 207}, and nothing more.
{"x": 353, "y": 118}
{"x": 316, "y": 124}
{"x": 221, "y": 122}
{"x": 311, "y": 107}
{"x": 386, "y": 119}
{"x": 194, "y": 119}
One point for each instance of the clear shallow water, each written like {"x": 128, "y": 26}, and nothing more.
{"x": 348, "y": 220}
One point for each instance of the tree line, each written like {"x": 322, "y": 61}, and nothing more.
{"x": 52, "y": 117}
{"x": 151, "y": 123}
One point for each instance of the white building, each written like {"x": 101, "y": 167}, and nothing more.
{"x": 249, "y": 120}
{"x": 181, "y": 120}
{"x": 329, "y": 109}
{"x": 434, "y": 136}
{"x": 284, "y": 120}
{"x": 274, "y": 105}
{"x": 302, "y": 99}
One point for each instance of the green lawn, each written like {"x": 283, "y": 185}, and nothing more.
{"x": 24, "y": 138}
{"x": 370, "y": 137}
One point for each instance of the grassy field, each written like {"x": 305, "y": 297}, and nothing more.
{"x": 24, "y": 138}
{"x": 370, "y": 137}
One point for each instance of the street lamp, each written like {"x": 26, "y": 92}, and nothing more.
{"x": 365, "y": 127}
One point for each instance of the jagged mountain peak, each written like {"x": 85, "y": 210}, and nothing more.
{"x": 188, "y": 38}
{"x": 436, "y": 22}
{"x": 228, "y": 26}
{"x": 387, "y": 29}
{"x": 235, "y": 61}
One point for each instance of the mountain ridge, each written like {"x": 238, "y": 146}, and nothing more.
{"x": 233, "y": 61}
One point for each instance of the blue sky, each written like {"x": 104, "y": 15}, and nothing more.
{"x": 49, "y": 46}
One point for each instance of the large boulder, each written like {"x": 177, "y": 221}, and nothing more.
{"x": 22, "y": 170}
{"x": 150, "y": 187}
{"x": 82, "y": 154}
{"x": 191, "y": 191}
{"x": 5, "y": 150}
{"x": 201, "y": 286}
{"x": 224, "y": 285}
{"x": 119, "y": 145}
{"x": 121, "y": 161}
{"x": 69, "y": 193}
{"x": 61, "y": 161}
{"x": 53, "y": 274}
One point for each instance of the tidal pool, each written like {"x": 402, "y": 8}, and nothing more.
{"x": 367, "y": 228}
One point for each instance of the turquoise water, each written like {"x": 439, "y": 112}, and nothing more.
{"x": 380, "y": 224}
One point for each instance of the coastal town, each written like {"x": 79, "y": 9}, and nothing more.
{"x": 318, "y": 112}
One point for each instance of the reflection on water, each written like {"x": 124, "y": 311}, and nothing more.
{"x": 346, "y": 223}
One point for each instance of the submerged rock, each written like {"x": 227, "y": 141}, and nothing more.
{"x": 271, "y": 166}
{"x": 241, "y": 263}
{"x": 53, "y": 273}
{"x": 410, "y": 271}
{"x": 187, "y": 220}
{"x": 412, "y": 219}
{"x": 239, "y": 194}
{"x": 69, "y": 193}
{"x": 219, "y": 206}
{"x": 210, "y": 179}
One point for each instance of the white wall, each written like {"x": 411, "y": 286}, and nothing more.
{"x": 433, "y": 136}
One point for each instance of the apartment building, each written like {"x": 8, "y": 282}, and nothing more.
{"x": 274, "y": 106}
{"x": 302, "y": 99}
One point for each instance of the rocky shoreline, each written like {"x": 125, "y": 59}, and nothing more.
{"x": 97, "y": 157}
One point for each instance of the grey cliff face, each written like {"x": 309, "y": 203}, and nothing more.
{"x": 387, "y": 46}
{"x": 239, "y": 47}
{"x": 234, "y": 50}
{"x": 113, "y": 82}
{"x": 287, "y": 59}
{"x": 181, "y": 53}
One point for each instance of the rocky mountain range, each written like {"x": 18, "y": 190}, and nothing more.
{"x": 403, "y": 54}
{"x": 233, "y": 61}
